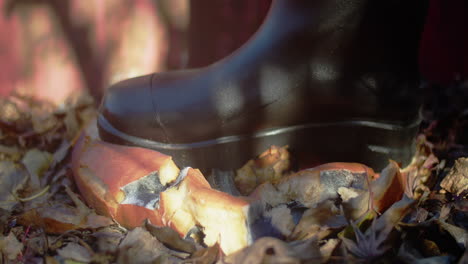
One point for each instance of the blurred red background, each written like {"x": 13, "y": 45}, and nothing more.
{"x": 53, "y": 48}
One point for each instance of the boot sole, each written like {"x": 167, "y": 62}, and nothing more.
{"x": 367, "y": 142}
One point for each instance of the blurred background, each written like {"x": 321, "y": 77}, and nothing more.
{"x": 53, "y": 48}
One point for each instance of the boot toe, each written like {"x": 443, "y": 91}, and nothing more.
{"x": 128, "y": 108}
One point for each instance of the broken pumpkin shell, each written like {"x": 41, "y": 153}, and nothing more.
{"x": 103, "y": 173}
{"x": 114, "y": 180}
{"x": 312, "y": 186}
{"x": 101, "y": 170}
{"x": 224, "y": 219}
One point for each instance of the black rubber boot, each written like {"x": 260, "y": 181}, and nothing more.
{"x": 336, "y": 80}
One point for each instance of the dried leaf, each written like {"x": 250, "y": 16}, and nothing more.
{"x": 55, "y": 220}
{"x": 419, "y": 170}
{"x": 170, "y": 238}
{"x": 61, "y": 153}
{"x": 306, "y": 250}
{"x": 76, "y": 252}
{"x": 264, "y": 250}
{"x": 206, "y": 255}
{"x": 459, "y": 234}
{"x": 96, "y": 221}
{"x": 43, "y": 121}
{"x": 327, "y": 249}
{"x": 90, "y": 218}
{"x": 71, "y": 124}
{"x": 395, "y": 213}
{"x": 372, "y": 242}
{"x": 139, "y": 246}
{"x": 9, "y": 111}
{"x": 456, "y": 181}
{"x": 10, "y": 246}
{"x": 108, "y": 239}
{"x": 12, "y": 179}
{"x": 35, "y": 245}
{"x": 36, "y": 162}
{"x": 421, "y": 215}
{"x": 58, "y": 217}
{"x": 319, "y": 221}
{"x": 4, "y": 215}
{"x": 55, "y": 170}
{"x": 12, "y": 151}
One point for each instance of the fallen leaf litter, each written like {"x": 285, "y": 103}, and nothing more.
{"x": 409, "y": 214}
